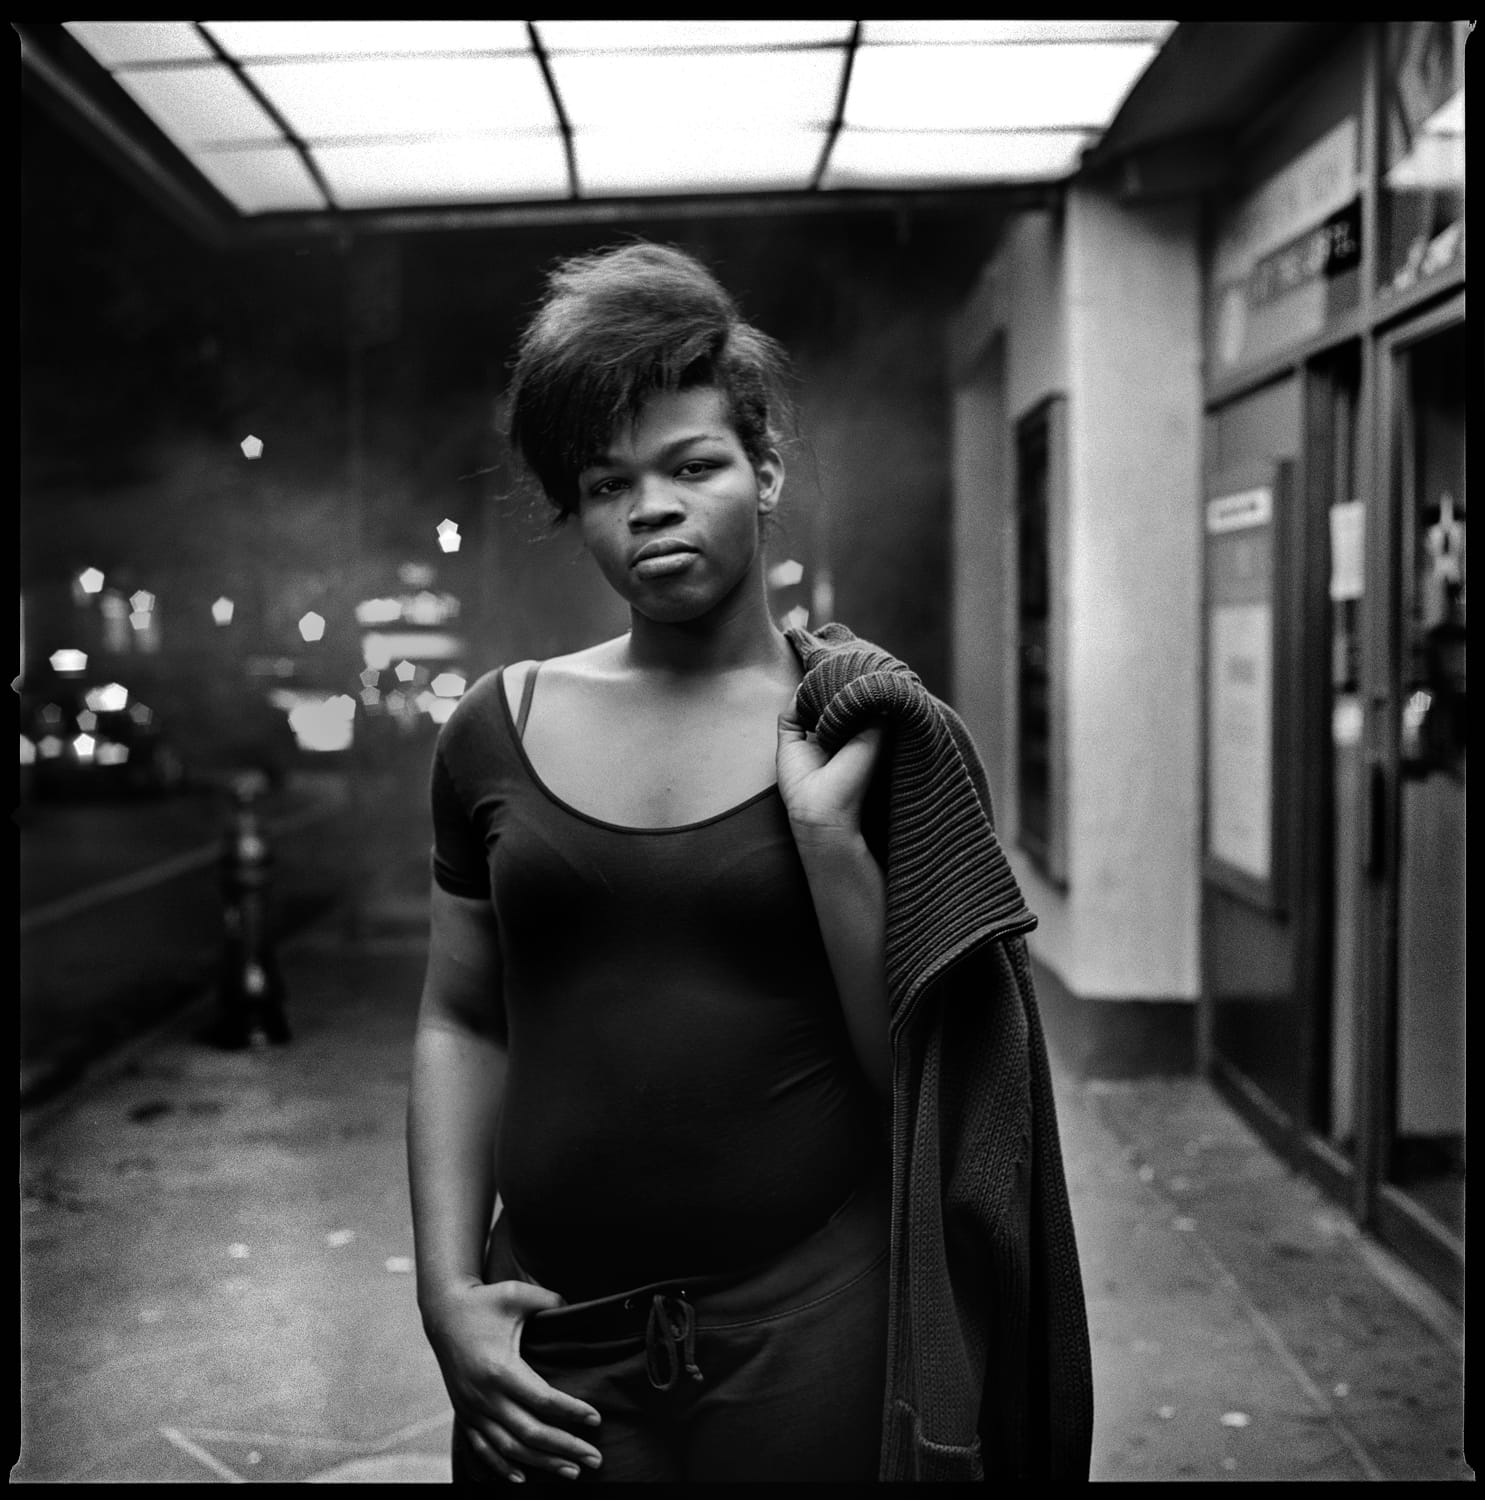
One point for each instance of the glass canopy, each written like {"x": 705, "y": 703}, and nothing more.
{"x": 295, "y": 116}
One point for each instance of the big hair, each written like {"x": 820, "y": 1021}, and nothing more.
{"x": 615, "y": 328}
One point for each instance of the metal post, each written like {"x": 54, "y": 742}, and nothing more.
{"x": 252, "y": 987}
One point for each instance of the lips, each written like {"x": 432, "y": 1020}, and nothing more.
{"x": 660, "y": 547}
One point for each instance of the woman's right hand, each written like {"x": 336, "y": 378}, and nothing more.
{"x": 511, "y": 1417}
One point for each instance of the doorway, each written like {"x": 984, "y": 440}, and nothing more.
{"x": 1421, "y": 1066}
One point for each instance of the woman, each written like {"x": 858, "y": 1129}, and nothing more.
{"x": 667, "y": 1014}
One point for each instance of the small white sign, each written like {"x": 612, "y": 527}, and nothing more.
{"x": 1347, "y": 550}
{"x": 1238, "y": 512}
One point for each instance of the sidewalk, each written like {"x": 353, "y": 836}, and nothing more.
{"x": 216, "y": 1259}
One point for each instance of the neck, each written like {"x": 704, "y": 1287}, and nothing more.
{"x": 737, "y": 635}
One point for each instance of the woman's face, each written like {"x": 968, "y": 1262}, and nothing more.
{"x": 671, "y": 512}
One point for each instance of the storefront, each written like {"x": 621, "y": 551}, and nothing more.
{"x": 1333, "y": 517}
{"x": 1209, "y": 596}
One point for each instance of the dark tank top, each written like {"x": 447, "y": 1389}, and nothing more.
{"x": 682, "y": 1096}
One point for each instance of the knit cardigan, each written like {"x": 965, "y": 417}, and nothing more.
{"x": 988, "y": 1363}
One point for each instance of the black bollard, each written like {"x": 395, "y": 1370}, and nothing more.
{"x": 252, "y": 987}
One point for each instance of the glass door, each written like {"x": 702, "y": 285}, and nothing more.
{"x": 1422, "y": 1057}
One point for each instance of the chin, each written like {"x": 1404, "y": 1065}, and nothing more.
{"x": 673, "y": 611}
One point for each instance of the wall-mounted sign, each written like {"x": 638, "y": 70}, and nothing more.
{"x": 1238, "y": 512}
{"x": 1239, "y": 735}
{"x": 1320, "y": 181}
{"x": 1279, "y": 266}
{"x": 1347, "y": 550}
{"x": 1327, "y": 250}
{"x": 1240, "y": 687}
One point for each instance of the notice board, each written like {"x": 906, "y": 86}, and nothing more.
{"x": 1240, "y": 518}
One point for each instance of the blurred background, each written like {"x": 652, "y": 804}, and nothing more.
{"x": 1131, "y": 363}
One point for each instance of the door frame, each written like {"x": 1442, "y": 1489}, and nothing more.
{"x": 1379, "y": 1205}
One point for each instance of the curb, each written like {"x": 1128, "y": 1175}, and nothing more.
{"x": 47, "y": 1086}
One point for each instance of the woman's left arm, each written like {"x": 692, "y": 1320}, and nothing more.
{"x": 824, "y": 796}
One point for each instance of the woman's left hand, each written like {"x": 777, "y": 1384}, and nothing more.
{"x": 823, "y": 793}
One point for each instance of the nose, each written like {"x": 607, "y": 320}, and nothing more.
{"x": 653, "y": 502}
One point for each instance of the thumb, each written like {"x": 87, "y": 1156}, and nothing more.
{"x": 526, "y": 1297}
{"x": 791, "y": 726}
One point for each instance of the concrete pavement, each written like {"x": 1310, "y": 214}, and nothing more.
{"x": 216, "y": 1268}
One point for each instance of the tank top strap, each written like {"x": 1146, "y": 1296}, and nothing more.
{"x": 525, "y": 708}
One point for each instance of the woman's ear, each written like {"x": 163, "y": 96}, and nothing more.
{"x": 770, "y": 472}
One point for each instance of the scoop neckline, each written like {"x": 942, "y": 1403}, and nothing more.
{"x": 577, "y": 812}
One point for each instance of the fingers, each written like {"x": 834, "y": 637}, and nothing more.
{"x": 549, "y": 1404}
{"x": 510, "y": 1440}
{"x": 526, "y": 1421}
{"x": 791, "y": 727}
{"x": 526, "y": 1439}
{"x": 488, "y": 1456}
{"x": 862, "y": 748}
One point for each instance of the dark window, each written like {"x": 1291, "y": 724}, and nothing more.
{"x": 1034, "y": 742}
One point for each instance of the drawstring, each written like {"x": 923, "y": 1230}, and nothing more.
{"x": 670, "y": 1341}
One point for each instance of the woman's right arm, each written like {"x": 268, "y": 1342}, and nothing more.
{"x": 509, "y": 1414}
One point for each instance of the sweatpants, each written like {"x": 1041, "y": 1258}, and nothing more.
{"x": 773, "y": 1374}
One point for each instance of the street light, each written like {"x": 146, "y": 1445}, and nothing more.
{"x": 68, "y": 660}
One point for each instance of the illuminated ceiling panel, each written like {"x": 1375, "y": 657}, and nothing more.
{"x": 292, "y": 116}
{"x": 200, "y": 106}
{"x": 342, "y": 39}
{"x": 388, "y": 97}
{"x": 1009, "y": 86}
{"x": 452, "y": 170}
{"x": 687, "y": 91}
{"x": 126, "y": 43}
{"x": 615, "y": 163}
{"x": 271, "y": 178}
{"x": 663, "y": 36}
{"x": 947, "y": 158}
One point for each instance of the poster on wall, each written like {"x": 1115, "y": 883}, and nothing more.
{"x": 1240, "y": 687}
{"x": 1240, "y": 736}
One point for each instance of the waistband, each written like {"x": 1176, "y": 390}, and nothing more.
{"x": 846, "y": 1247}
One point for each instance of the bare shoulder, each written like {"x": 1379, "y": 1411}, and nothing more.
{"x": 591, "y": 664}
{"x": 513, "y": 675}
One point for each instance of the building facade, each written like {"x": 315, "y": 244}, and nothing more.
{"x": 1209, "y": 595}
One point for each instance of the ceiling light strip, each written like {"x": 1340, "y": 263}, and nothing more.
{"x": 1058, "y": 128}
{"x": 563, "y": 123}
{"x": 838, "y": 119}
{"x": 268, "y": 107}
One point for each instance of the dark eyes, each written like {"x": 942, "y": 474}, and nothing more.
{"x": 693, "y": 468}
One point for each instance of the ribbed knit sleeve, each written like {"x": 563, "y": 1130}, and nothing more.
{"x": 939, "y": 833}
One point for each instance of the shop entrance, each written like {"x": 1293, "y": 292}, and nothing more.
{"x": 1417, "y": 863}
{"x": 1334, "y": 860}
